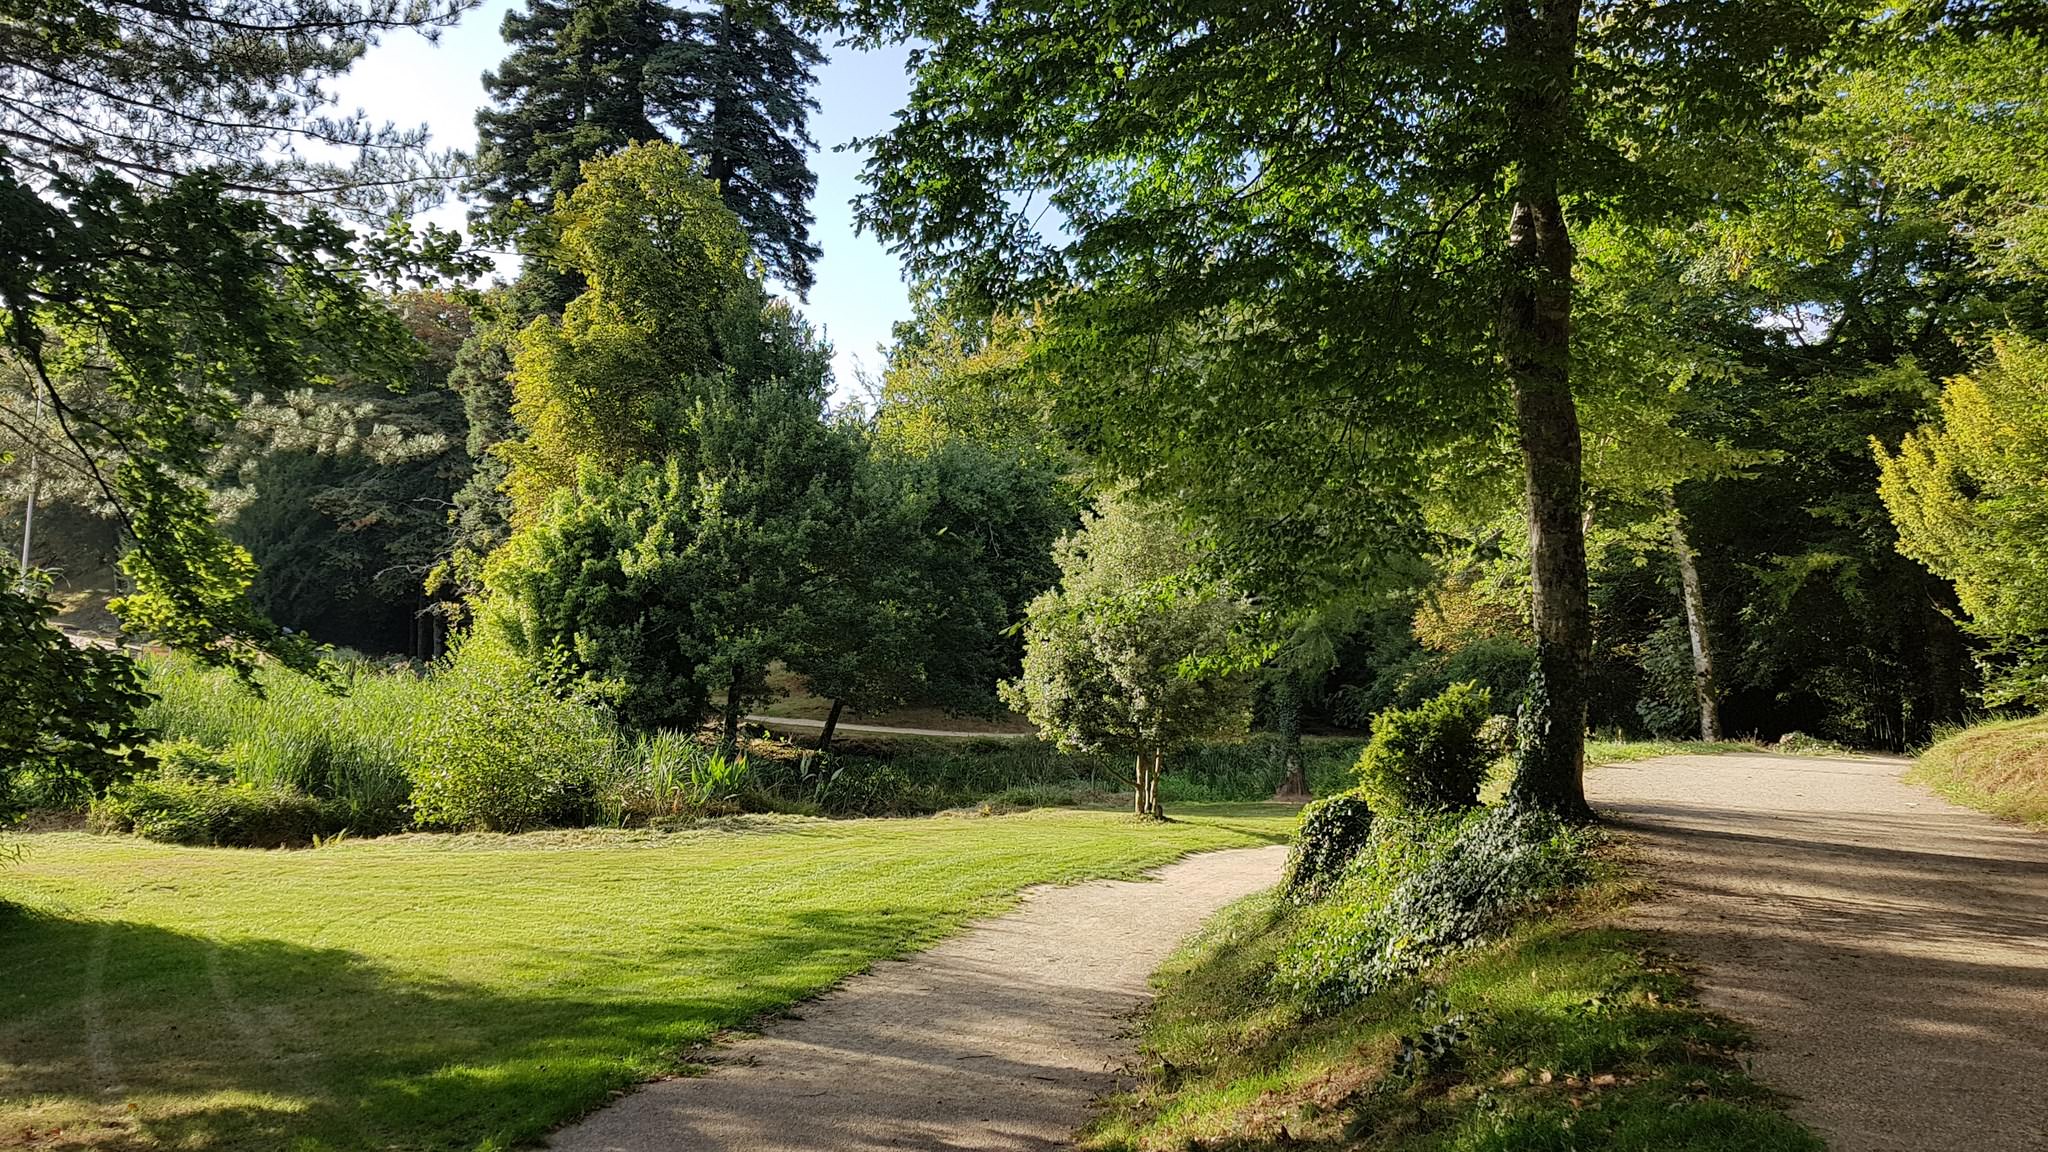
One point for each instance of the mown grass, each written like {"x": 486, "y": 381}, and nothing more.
{"x": 463, "y": 992}
{"x": 1599, "y": 752}
{"x": 1999, "y": 767}
{"x": 1575, "y": 1035}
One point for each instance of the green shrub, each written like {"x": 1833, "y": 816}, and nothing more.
{"x": 1800, "y": 744}
{"x": 505, "y": 753}
{"x": 200, "y": 809}
{"x": 1428, "y": 758}
{"x": 66, "y": 712}
{"x": 1331, "y": 832}
{"x": 1430, "y": 889}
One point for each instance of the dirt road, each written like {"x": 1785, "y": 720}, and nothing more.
{"x": 1889, "y": 949}
{"x": 997, "y": 1039}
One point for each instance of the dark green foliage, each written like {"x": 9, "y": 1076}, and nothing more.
{"x": 1331, "y": 832}
{"x": 179, "y": 807}
{"x": 729, "y": 80}
{"x": 734, "y": 85}
{"x": 944, "y": 548}
{"x": 169, "y": 243}
{"x": 341, "y": 496}
{"x": 1428, "y": 758}
{"x": 571, "y": 88}
{"x": 671, "y": 586}
{"x": 67, "y": 712}
{"x": 1455, "y": 885}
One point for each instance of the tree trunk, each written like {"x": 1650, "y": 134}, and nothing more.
{"x": 1139, "y": 775}
{"x": 1536, "y": 330}
{"x": 729, "y": 741}
{"x": 1696, "y": 624}
{"x": 1287, "y": 706}
{"x": 719, "y": 161}
{"x": 1153, "y": 808}
{"x": 831, "y": 723}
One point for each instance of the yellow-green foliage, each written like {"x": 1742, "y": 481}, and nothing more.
{"x": 664, "y": 259}
{"x": 2001, "y": 767}
{"x": 1428, "y": 758}
{"x": 1970, "y": 497}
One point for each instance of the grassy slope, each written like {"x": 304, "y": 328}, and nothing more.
{"x": 2000, "y": 767}
{"x": 457, "y": 992}
{"x": 1579, "y": 1037}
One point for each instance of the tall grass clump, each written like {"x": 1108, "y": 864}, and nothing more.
{"x": 667, "y": 775}
{"x": 351, "y": 747}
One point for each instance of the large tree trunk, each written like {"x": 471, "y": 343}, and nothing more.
{"x": 831, "y": 724}
{"x": 1140, "y": 777}
{"x": 1536, "y": 331}
{"x": 1696, "y": 625}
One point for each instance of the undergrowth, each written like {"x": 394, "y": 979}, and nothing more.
{"x": 1566, "y": 1034}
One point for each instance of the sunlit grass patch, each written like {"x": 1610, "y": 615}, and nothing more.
{"x": 2000, "y": 767}
{"x": 1567, "y": 1034}
{"x": 443, "y": 992}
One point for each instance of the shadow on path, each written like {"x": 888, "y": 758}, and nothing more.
{"x": 996, "y": 1039}
{"x": 1889, "y": 950}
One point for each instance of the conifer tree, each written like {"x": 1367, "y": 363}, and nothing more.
{"x": 730, "y": 81}
{"x": 571, "y": 88}
{"x": 735, "y": 86}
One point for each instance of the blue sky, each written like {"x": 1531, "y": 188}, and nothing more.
{"x": 860, "y": 288}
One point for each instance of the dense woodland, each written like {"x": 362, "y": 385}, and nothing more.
{"x": 1663, "y": 368}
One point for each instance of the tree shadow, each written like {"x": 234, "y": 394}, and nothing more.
{"x": 1894, "y": 963}
{"x": 120, "y": 1035}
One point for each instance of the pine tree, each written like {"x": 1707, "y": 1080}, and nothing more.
{"x": 572, "y": 88}
{"x": 730, "y": 81}
{"x": 735, "y": 86}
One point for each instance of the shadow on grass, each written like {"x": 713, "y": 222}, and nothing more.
{"x": 126, "y": 1035}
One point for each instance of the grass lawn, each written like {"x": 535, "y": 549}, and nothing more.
{"x": 2000, "y": 767}
{"x": 1602, "y": 752}
{"x": 464, "y": 992}
{"x": 1568, "y": 1036}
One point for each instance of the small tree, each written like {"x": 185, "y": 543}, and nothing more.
{"x": 1132, "y": 650}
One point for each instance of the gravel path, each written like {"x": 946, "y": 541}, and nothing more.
{"x": 996, "y": 1039}
{"x": 1889, "y": 949}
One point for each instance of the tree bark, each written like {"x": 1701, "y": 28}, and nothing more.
{"x": 1536, "y": 326}
{"x": 831, "y": 723}
{"x": 1138, "y": 779}
{"x": 729, "y": 742}
{"x": 1287, "y": 705}
{"x": 1696, "y": 625}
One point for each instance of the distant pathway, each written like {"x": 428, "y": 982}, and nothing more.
{"x": 1889, "y": 949}
{"x": 994, "y": 1040}
{"x": 882, "y": 730}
